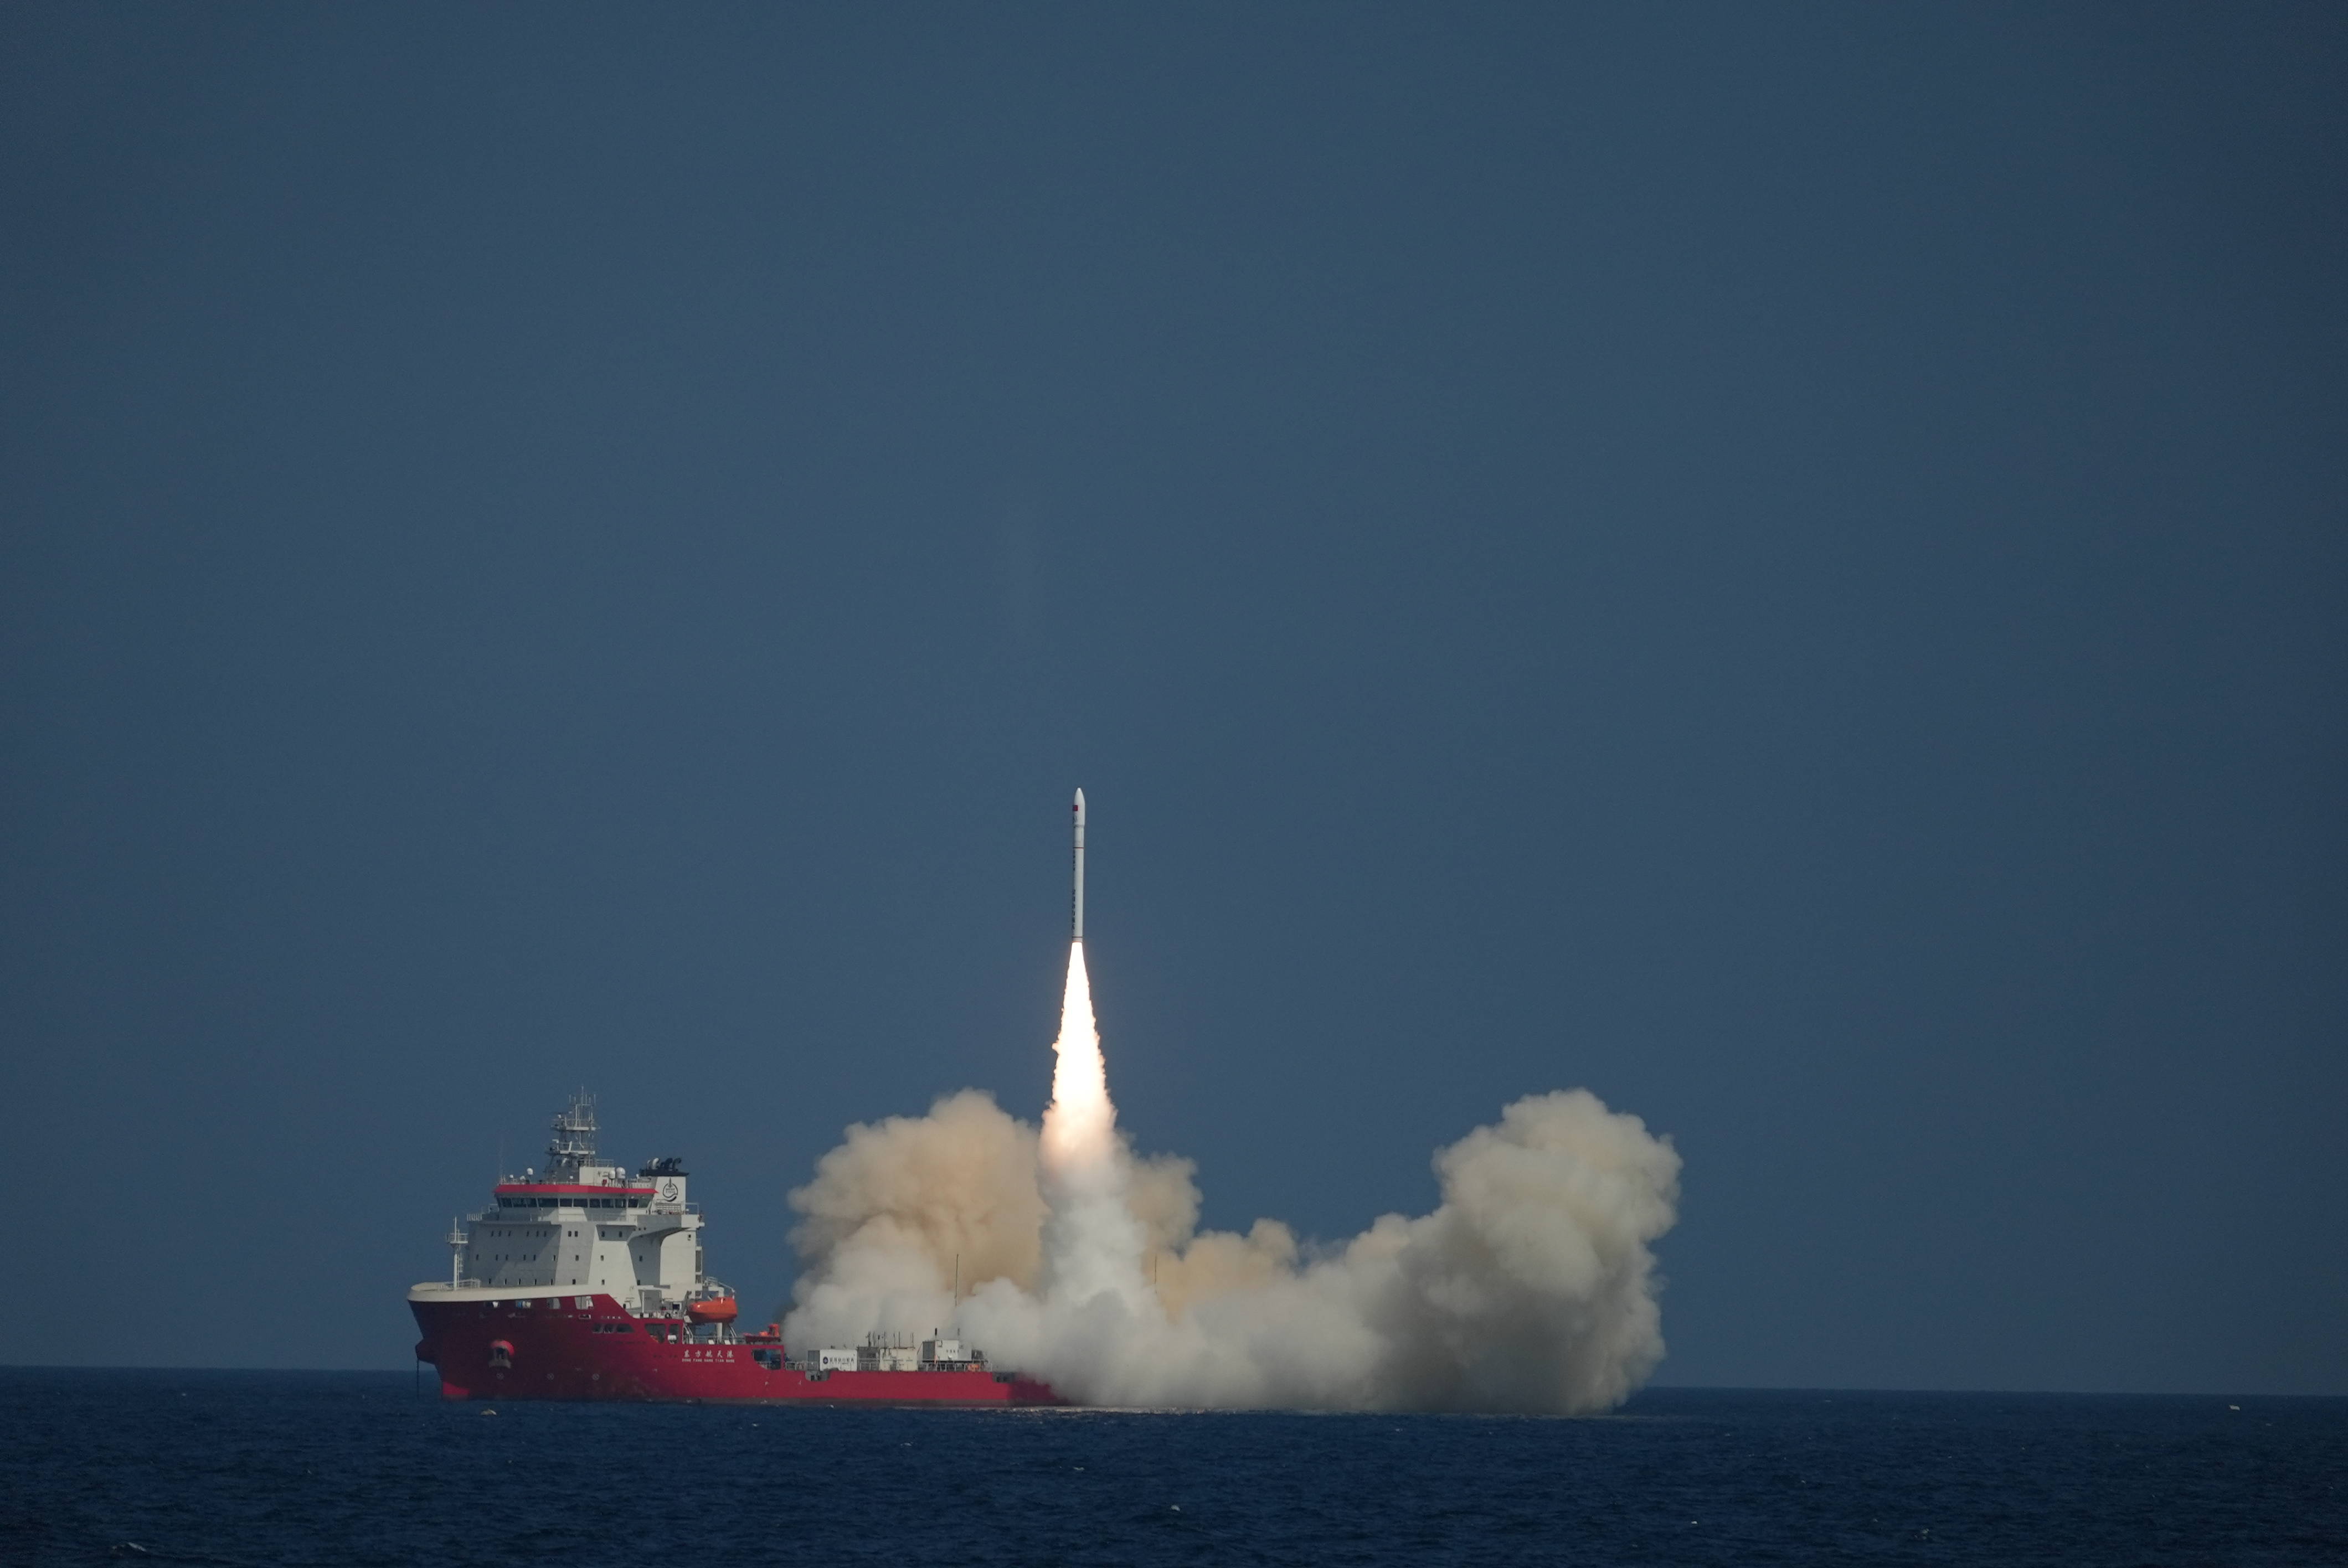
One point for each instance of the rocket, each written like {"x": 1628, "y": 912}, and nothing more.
{"x": 1077, "y": 909}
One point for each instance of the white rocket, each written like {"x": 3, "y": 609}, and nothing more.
{"x": 1076, "y": 920}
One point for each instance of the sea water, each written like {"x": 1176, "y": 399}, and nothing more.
{"x": 251, "y": 1468}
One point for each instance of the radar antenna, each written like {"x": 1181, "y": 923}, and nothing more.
{"x": 574, "y": 1143}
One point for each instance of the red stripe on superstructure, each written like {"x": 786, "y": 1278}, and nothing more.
{"x": 574, "y": 1189}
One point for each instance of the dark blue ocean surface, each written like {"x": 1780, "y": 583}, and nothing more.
{"x": 353, "y": 1468}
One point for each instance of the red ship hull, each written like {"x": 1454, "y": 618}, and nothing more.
{"x": 555, "y": 1348}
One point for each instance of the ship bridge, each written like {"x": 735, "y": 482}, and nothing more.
{"x": 587, "y": 1225}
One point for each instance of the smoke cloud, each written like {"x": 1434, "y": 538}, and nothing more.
{"x": 1531, "y": 1287}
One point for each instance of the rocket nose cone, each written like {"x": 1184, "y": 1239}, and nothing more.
{"x": 1080, "y": 804}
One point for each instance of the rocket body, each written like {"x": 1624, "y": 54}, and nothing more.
{"x": 1077, "y": 908}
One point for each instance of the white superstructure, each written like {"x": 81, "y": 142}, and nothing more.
{"x": 584, "y": 1225}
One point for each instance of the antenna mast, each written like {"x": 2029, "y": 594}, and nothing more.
{"x": 574, "y": 1143}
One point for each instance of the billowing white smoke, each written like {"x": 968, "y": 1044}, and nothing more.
{"x": 1531, "y": 1286}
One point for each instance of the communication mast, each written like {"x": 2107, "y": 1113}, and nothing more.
{"x": 574, "y": 1143}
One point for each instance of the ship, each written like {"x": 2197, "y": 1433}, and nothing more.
{"x": 587, "y": 1282}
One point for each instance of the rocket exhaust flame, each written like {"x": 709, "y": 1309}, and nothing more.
{"x": 1531, "y": 1287}
{"x": 1092, "y": 1247}
{"x": 1080, "y": 1124}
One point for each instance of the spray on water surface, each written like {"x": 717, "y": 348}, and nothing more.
{"x": 1531, "y": 1287}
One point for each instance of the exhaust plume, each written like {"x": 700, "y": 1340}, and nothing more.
{"x": 1531, "y": 1287}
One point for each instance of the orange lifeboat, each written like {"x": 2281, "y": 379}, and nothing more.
{"x": 718, "y": 1309}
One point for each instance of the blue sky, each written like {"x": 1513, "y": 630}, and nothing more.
{"x": 1780, "y": 564}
